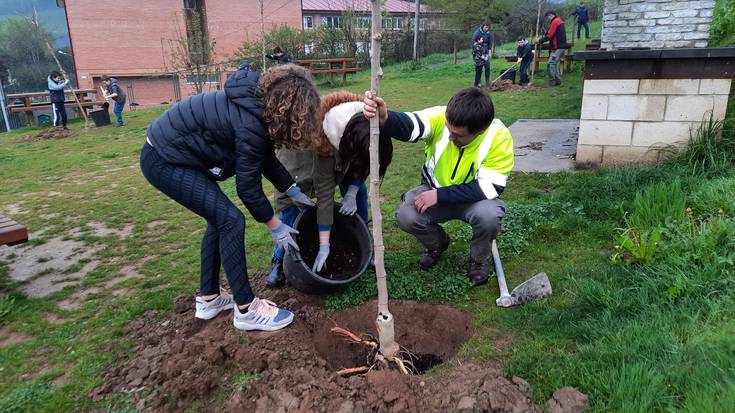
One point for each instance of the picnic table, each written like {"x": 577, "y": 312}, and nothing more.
{"x": 39, "y": 101}
{"x": 339, "y": 65}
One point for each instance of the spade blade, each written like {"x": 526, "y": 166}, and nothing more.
{"x": 533, "y": 288}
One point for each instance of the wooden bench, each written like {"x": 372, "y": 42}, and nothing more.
{"x": 29, "y": 106}
{"x": 11, "y": 232}
{"x": 340, "y": 65}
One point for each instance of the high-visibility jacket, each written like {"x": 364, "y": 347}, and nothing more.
{"x": 476, "y": 171}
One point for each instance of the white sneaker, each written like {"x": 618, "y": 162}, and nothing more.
{"x": 262, "y": 315}
{"x": 207, "y": 310}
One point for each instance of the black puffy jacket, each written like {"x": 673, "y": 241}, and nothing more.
{"x": 221, "y": 133}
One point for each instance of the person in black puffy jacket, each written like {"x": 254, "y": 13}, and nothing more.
{"x": 213, "y": 136}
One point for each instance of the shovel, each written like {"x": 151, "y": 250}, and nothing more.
{"x": 502, "y": 74}
{"x": 534, "y": 288}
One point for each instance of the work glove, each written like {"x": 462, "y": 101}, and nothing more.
{"x": 321, "y": 258}
{"x": 298, "y": 197}
{"x": 349, "y": 201}
{"x": 282, "y": 236}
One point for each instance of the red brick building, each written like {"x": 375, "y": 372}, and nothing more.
{"x": 131, "y": 39}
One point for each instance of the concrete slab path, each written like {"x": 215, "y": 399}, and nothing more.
{"x": 544, "y": 145}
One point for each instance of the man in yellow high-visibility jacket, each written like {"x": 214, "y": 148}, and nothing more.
{"x": 468, "y": 157}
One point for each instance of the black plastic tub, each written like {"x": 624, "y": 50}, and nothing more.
{"x": 101, "y": 117}
{"x": 350, "y": 252}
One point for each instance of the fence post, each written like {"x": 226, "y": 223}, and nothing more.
{"x": 2, "y": 103}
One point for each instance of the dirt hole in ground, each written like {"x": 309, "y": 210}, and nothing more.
{"x": 430, "y": 333}
{"x": 177, "y": 361}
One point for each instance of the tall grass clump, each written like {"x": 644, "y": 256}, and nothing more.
{"x": 711, "y": 148}
{"x": 659, "y": 204}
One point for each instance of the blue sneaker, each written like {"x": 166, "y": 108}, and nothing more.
{"x": 262, "y": 315}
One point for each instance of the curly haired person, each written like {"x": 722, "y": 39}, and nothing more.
{"x": 211, "y": 137}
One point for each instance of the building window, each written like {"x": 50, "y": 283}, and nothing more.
{"x": 362, "y": 22}
{"x": 308, "y": 48}
{"x": 393, "y": 23}
{"x": 332, "y": 21}
{"x": 422, "y": 23}
{"x": 202, "y": 78}
{"x": 308, "y": 22}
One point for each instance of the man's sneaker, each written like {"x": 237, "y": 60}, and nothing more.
{"x": 207, "y": 310}
{"x": 478, "y": 272}
{"x": 276, "y": 278}
{"x": 262, "y": 315}
{"x": 431, "y": 257}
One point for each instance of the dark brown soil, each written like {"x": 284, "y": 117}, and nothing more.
{"x": 508, "y": 86}
{"x": 344, "y": 258}
{"x": 47, "y": 134}
{"x": 180, "y": 360}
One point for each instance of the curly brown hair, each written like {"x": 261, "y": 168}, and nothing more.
{"x": 291, "y": 107}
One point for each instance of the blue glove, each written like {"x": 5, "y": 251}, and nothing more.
{"x": 349, "y": 201}
{"x": 298, "y": 197}
{"x": 321, "y": 258}
{"x": 282, "y": 236}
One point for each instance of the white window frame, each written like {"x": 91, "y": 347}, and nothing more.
{"x": 309, "y": 19}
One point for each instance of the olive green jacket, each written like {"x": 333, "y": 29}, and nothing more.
{"x": 316, "y": 176}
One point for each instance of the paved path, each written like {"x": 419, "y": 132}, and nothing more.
{"x": 544, "y": 145}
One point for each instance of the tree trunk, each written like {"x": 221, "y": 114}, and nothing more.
{"x": 384, "y": 322}
{"x": 454, "y": 53}
{"x": 262, "y": 34}
{"x": 416, "y": 31}
{"x": 535, "y": 42}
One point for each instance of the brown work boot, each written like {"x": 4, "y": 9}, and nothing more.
{"x": 478, "y": 272}
{"x": 430, "y": 257}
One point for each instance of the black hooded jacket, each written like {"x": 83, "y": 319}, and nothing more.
{"x": 222, "y": 134}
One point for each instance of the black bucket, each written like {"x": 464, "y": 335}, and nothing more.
{"x": 101, "y": 117}
{"x": 350, "y": 252}
{"x": 509, "y": 75}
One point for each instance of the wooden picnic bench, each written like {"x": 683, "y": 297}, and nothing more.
{"x": 11, "y": 232}
{"x": 340, "y": 65}
{"x": 31, "y": 101}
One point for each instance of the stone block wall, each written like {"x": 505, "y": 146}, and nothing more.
{"x": 656, "y": 24}
{"x": 627, "y": 121}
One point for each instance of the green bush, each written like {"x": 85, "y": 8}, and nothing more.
{"x": 722, "y": 33}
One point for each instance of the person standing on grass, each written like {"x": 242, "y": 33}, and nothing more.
{"x": 56, "y": 85}
{"x": 583, "y": 19}
{"x": 480, "y": 59}
{"x": 115, "y": 92}
{"x": 525, "y": 55}
{"x": 468, "y": 157}
{"x": 556, "y": 34}
{"x": 279, "y": 56}
{"x": 484, "y": 32}
{"x": 213, "y": 136}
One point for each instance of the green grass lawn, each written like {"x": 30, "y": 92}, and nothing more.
{"x": 657, "y": 335}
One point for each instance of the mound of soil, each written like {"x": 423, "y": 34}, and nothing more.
{"x": 47, "y": 134}
{"x": 180, "y": 360}
{"x": 508, "y": 86}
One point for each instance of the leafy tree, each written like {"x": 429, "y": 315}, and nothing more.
{"x": 26, "y": 56}
{"x": 192, "y": 52}
{"x": 469, "y": 14}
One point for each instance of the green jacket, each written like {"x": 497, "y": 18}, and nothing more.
{"x": 317, "y": 178}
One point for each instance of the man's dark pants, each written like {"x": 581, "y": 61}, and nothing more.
{"x": 484, "y": 217}
{"x": 586, "y": 30}
{"x": 524, "y": 71}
